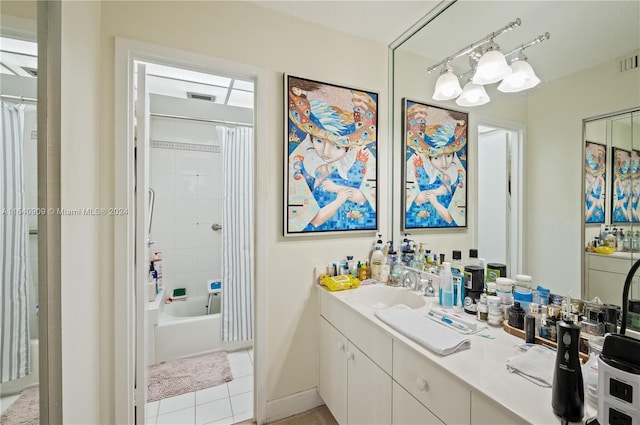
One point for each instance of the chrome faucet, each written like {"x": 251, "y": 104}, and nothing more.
{"x": 411, "y": 279}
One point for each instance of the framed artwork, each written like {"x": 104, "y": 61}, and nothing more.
{"x": 595, "y": 178}
{"x": 435, "y": 166}
{"x": 621, "y": 189}
{"x": 331, "y": 150}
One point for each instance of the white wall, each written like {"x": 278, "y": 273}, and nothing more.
{"x": 85, "y": 339}
{"x": 553, "y": 166}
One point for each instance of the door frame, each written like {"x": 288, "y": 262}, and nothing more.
{"x": 126, "y": 52}
{"x": 516, "y": 133}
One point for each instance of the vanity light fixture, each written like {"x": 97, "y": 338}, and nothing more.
{"x": 489, "y": 66}
{"x": 447, "y": 85}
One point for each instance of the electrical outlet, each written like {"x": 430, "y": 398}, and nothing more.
{"x": 616, "y": 417}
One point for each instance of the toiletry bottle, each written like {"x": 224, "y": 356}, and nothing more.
{"x": 385, "y": 268}
{"x": 157, "y": 259}
{"x": 457, "y": 270}
{"x": 376, "y": 263}
{"x": 473, "y": 257}
{"x": 362, "y": 272}
{"x": 446, "y": 285}
{"x": 482, "y": 308}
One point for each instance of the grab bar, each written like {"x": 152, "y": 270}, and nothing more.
{"x": 152, "y": 201}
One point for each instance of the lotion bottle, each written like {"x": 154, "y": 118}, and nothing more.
{"x": 376, "y": 263}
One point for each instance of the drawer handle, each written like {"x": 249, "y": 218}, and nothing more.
{"x": 422, "y": 384}
{"x": 341, "y": 346}
{"x": 350, "y": 355}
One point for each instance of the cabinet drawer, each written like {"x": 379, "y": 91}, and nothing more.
{"x": 365, "y": 334}
{"x": 408, "y": 411}
{"x": 436, "y": 389}
{"x": 485, "y": 411}
{"x": 610, "y": 264}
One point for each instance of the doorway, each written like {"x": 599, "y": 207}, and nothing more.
{"x": 195, "y": 135}
{"x": 500, "y": 195}
{"x": 130, "y": 323}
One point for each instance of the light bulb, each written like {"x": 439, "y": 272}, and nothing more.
{"x": 447, "y": 86}
{"x": 521, "y": 78}
{"x": 492, "y": 67}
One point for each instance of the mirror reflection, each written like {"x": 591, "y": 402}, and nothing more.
{"x": 586, "y": 69}
{"x": 611, "y": 202}
{"x": 19, "y": 373}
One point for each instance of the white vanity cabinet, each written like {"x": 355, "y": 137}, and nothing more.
{"x": 444, "y": 396}
{"x": 409, "y": 411}
{"x": 605, "y": 276}
{"x": 354, "y": 386}
{"x": 485, "y": 411}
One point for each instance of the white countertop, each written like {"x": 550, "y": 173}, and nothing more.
{"x": 483, "y": 368}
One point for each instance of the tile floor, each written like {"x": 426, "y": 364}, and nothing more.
{"x": 227, "y": 404}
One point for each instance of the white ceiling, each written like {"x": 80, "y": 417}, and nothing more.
{"x": 583, "y": 33}
{"x": 378, "y": 20}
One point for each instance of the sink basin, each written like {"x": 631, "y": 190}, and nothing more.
{"x": 381, "y": 296}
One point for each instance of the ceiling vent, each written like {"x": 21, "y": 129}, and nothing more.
{"x": 629, "y": 63}
{"x": 31, "y": 71}
{"x": 201, "y": 96}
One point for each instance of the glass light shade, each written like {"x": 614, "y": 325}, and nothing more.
{"x": 447, "y": 87}
{"x": 522, "y": 78}
{"x": 492, "y": 67}
{"x": 473, "y": 95}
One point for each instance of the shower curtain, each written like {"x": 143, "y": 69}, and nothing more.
{"x": 237, "y": 234}
{"x": 14, "y": 326}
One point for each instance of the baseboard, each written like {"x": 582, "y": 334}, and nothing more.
{"x": 293, "y": 404}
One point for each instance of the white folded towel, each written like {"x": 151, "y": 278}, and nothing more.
{"x": 536, "y": 364}
{"x": 424, "y": 331}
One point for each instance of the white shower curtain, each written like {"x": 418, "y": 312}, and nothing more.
{"x": 14, "y": 321}
{"x": 237, "y": 234}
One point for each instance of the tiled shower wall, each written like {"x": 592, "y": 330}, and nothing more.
{"x": 186, "y": 174}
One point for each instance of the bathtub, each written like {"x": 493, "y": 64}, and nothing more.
{"x": 185, "y": 329}
{"x": 31, "y": 380}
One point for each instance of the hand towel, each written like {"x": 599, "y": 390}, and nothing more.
{"x": 424, "y": 331}
{"x": 536, "y": 365}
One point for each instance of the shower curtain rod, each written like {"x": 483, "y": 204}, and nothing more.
{"x": 20, "y": 98}
{"x": 180, "y": 117}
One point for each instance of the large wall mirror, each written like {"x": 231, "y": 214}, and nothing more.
{"x": 587, "y": 68}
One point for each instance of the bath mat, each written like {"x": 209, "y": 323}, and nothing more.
{"x": 25, "y": 410}
{"x": 180, "y": 376}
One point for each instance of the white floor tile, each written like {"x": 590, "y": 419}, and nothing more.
{"x": 178, "y": 402}
{"x": 181, "y": 417}
{"x": 243, "y": 417}
{"x": 240, "y": 385}
{"x": 213, "y": 411}
{"x": 210, "y": 394}
{"x": 240, "y": 363}
{"x": 242, "y": 403}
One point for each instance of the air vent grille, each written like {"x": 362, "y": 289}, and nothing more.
{"x": 31, "y": 71}
{"x": 629, "y": 63}
{"x": 201, "y": 96}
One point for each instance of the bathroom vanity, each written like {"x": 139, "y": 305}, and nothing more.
{"x": 371, "y": 374}
{"x": 605, "y": 275}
